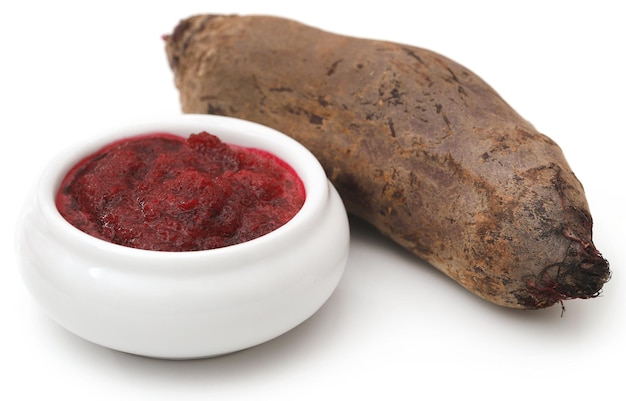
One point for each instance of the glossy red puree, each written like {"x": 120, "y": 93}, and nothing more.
{"x": 167, "y": 193}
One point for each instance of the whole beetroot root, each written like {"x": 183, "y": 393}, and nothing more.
{"x": 416, "y": 144}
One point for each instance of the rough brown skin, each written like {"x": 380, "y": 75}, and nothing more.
{"x": 415, "y": 143}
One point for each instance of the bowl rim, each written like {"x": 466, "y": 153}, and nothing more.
{"x": 235, "y": 131}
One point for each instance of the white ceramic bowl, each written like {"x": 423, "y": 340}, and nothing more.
{"x": 180, "y": 305}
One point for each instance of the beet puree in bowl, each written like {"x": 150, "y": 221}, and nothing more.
{"x": 183, "y": 238}
{"x": 164, "y": 192}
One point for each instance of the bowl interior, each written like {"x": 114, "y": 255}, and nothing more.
{"x": 229, "y": 130}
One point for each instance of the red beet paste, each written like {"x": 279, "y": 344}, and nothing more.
{"x": 167, "y": 193}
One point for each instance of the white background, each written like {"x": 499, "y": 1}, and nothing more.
{"x": 395, "y": 328}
